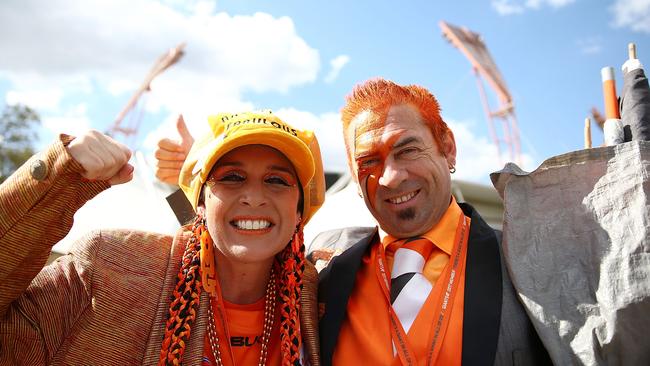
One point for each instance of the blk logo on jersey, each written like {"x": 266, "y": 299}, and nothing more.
{"x": 244, "y": 341}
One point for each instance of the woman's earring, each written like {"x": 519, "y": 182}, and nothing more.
{"x": 452, "y": 169}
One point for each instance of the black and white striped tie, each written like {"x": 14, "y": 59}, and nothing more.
{"x": 409, "y": 288}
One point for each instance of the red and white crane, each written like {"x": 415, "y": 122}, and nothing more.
{"x": 506, "y": 139}
{"x": 129, "y": 128}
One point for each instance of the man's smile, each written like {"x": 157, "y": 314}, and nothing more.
{"x": 403, "y": 198}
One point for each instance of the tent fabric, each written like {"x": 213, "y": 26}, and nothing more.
{"x": 139, "y": 205}
{"x": 635, "y": 106}
{"x": 576, "y": 243}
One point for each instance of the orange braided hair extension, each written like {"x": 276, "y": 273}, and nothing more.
{"x": 290, "y": 265}
{"x": 185, "y": 299}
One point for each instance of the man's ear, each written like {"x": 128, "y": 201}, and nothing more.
{"x": 448, "y": 148}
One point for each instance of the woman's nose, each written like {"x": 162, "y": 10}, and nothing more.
{"x": 252, "y": 195}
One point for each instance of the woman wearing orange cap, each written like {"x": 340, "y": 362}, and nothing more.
{"x": 233, "y": 288}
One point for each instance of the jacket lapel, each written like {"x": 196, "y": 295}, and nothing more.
{"x": 483, "y": 293}
{"x": 336, "y": 283}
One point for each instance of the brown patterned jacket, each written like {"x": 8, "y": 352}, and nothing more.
{"x": 105, "y": 303}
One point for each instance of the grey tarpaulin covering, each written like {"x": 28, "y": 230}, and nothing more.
{"x": 635, "y": 106}
{"x": 576, "y": 242}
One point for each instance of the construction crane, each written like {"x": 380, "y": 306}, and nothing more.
{"x": 130, "y": 129}
{"x": 472, "y": 46}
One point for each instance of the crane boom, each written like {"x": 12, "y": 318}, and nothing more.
{"x": 166, "y": 60}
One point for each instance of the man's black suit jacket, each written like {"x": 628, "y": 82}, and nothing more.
{"x": 496, "y": 330}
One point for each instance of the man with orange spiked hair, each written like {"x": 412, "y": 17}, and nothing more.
{"x": 429, "y": 287}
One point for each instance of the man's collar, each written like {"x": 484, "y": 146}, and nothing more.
{"x": 442, "y": 234}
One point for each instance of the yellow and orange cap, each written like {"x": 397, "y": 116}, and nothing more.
{"x": 230, "y": 131}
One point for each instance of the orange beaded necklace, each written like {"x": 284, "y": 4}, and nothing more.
{"x": 269, "y": 318}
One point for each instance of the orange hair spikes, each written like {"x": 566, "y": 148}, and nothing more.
{"x": 378, "y": 95}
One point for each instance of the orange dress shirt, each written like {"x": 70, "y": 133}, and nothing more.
{"x": 365, "y": 336}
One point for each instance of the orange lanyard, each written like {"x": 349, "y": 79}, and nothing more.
{"x": 212, "y": 285}
{"x": 442, "y": 307}
{"x": 221, "y": 324}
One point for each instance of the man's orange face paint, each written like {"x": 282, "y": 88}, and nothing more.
{"x": 371, "y": 152}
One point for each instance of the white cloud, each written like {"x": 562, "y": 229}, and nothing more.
{"x": 509, "y": 7}
{"x": 328, "y": 129}
{"x": 559, "y": 3}
{"x": 73, "y": 121}
{"x": 506, "y": 7}
{"x": 192, "y": 6}
{"x": 590, "y": 46}
{"x": 44, "y": 94}
{"x": 66, "y": 47}
{"x": 337, "y": 64}
{"x": 536, "y": 4}
{"x": 205, "y": 7}
{"x": 476, "y": 156}
{"x": 633, "y": 14}
{"x": 118, "y": 87}
{"x": 47, "y": 99}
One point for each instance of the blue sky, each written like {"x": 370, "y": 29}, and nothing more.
{"x": 78, "y": 64}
